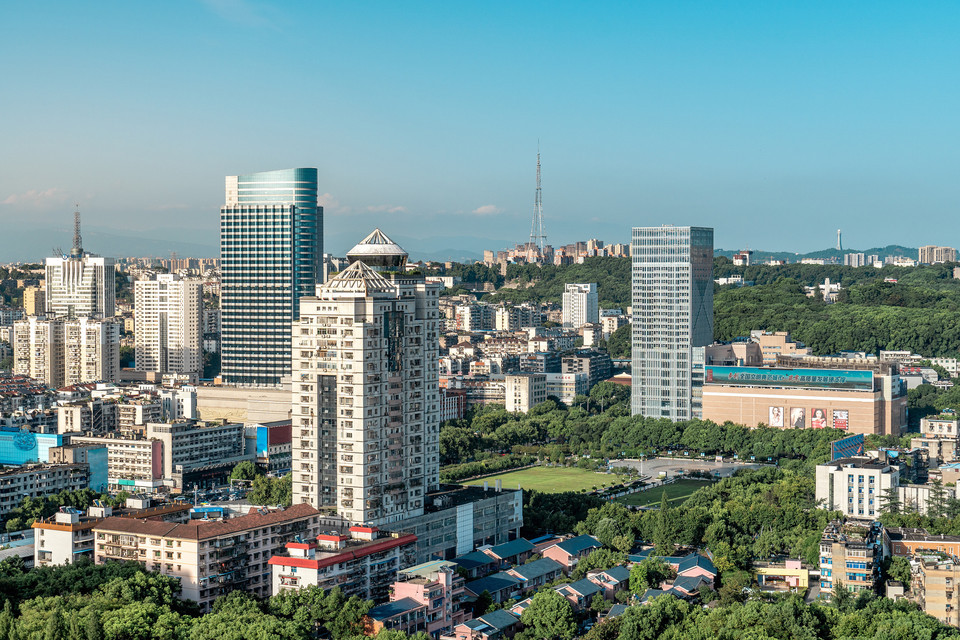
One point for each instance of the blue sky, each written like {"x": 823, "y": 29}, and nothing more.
{"x": 774, "y": 122}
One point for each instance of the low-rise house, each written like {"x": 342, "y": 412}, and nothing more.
{"x": 510, "y": 553}
{"x": 790, "y": 575}
{"x": 476, "y": 564}
{"x": 496, "y": 625}
{"x": 612, "y": 580}
{"x": 536, "y": 574}
{"x": 406, "y": 614}
{"x": 501, "y": 586}
{"x": 580, "y": 593}
{"x": 569, "y": 552}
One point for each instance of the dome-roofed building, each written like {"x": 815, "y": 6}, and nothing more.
{"x": 379, "y": 252}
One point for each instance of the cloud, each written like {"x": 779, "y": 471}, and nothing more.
{"x": 386, "y": 208}
{"x": 331, "y": 205}
{"x": 36, "y": 198}
{"x": 487, "y": 210}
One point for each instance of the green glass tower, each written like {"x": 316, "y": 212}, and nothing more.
{"x": 271, "y": 255}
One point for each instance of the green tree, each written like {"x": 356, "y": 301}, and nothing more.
{"x": 890, "y": 501}
{"x": 246, "y": 470}
{"x": 649, "y": 574}
{"x": 94, "y": 627}
{"x": 899, "y": 570}
{"x": 56, "y": 627}
{"x": 937, "y": 500}
{"x": 550, "y": 616}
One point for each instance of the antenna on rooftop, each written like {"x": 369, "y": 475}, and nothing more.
{"x": 538, "y": 238}
{"x": 77, "y": 249}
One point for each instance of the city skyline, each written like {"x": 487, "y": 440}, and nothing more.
{"x": 646, "y": 115}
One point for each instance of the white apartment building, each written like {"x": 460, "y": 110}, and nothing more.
{"x": 81, "y": 285}
{"x": 567, "y": 386}
{"x": 169, "y": 314}
{"x": 366, "y": 396}
{"x": 580, "y": 305}
{"x": 856, "y": 486}
{"x": 63, "y": 352}
{"x": 525, "y": 391}
{"x": 211, "y": 558}
{"x": 672, "y": 319}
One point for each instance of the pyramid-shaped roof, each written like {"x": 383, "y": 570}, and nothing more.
{"x": 377, "y": 250}
{"x": 358, "y": 278}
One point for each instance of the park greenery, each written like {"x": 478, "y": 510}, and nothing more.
{"x": 121, "y": 601}
{"x": 890, "y": 308}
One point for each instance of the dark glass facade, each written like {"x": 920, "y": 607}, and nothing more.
{"x": 271, "y": 251}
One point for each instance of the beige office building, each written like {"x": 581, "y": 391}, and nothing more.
{"x": 525, "y": 391}
{"x": 818, "y": 393}
{"x": 366, "y": 398}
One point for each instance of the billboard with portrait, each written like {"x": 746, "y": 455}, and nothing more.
{"x": 797, "y": 418}
{"x": 776, "y": 417}
{"x": 841, "y": 419}
{"x": 818, "y": 419}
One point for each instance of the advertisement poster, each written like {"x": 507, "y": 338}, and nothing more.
{"x": 818, "y": 419}
{"x": 776, "y": 417}
{"x": 841, "y": 419}
{"x": 797, "y": 418}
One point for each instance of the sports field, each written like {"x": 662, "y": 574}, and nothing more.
{"x": 677, "y": 492}
{"x": 550, "y": 479}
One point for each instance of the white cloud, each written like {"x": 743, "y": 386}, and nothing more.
{"x": 487, "y": 210}
{"x": 386, "y": 208}
{"x": 331, "y": 205}
{"x": 36, "y": 198}
{"x": 244, "y": 12}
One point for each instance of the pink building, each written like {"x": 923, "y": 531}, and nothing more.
{"x": 427, "y": 597}
{"x": 569, "y": 552}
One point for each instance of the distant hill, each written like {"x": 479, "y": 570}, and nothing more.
{"x": 762, "y": 256}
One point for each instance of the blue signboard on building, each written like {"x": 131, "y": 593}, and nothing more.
{"x": 790, "y": 378}
{"x": 19, "y": 446}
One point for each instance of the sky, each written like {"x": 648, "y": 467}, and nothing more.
{"x": 776, "y": 123}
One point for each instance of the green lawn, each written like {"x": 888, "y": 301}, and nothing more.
{"x": 550, "y": 479}
{"x": 677, "y": 492}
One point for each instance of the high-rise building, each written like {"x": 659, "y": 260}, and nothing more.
{"x": 271, "y": 249}
{"x": 854, "y": 259}
{"x": 80, "y": 284}
{"x": 672, "y": 318}
{"x": 932, "y": 254}
{"x": 366, "y": 396}
{"x": 168, "y": 324}
{"x": 63, "y": 352}
{"x": 34, "y": 301}
{"x": 580, "y": 305}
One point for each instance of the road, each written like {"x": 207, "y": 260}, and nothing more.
{"x": 675, "y": 466}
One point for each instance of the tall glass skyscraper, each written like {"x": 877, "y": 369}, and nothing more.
{"x": 672, "y": 319}
{"x": 271, "y": 252}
